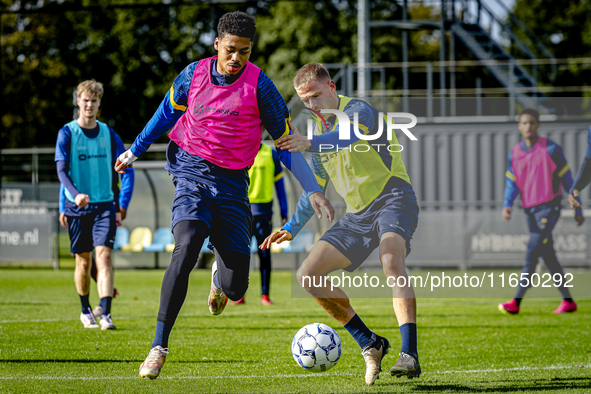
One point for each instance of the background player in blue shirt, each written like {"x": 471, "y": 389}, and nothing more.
{"x": 85, "y": 152}
{"x": 127, "y": 182}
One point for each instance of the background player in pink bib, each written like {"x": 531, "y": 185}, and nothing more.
{"x": 537, "y": 168}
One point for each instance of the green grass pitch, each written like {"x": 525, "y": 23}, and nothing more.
{"x": 465, "y": 345}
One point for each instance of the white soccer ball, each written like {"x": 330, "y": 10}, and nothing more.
{"x": 316, "y": 347}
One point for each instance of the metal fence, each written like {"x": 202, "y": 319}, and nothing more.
{"x": 457, "y": 170}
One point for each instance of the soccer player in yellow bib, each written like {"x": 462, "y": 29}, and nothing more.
{"x": 265, "y": 172}
{"x": 381, "y": 211}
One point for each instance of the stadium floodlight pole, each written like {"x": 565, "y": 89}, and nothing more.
{"x": 405, "y": 58}
{"x": 442, "y": 61}
{"x": 362, "y": 45}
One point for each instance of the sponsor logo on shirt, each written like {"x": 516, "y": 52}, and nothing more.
{"x": 199, "y": 109}
{"x": 88, "y": 157}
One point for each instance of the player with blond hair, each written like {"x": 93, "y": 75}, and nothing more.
{"x": 86, "y": 151}
{"x": 382, "y": 212}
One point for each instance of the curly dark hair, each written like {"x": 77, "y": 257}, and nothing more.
{"x": 236, "y": 23}
{"x": 530, "y": 111}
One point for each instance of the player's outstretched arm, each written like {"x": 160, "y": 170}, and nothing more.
{"x": 330, "y": 140}
{"x": 275, "y": 116}
{"x": 172, "y": 107}
{"x": 277, "y": 237}
{"x": 294, "y": 142}
{"x": 125, "y": 161}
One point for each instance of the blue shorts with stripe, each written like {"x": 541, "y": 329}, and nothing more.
{"x": 358, "y": 234}
{"x": 212, "y": 194}
{"x": 96, "y": 227}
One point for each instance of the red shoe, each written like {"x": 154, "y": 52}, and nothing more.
{"x": 115, "y": 293}
{"x": 265, "y": 300}
{"x": 565, "y": 306}
{"x": 510, "y": 307}
{"x": 240, "y": 301}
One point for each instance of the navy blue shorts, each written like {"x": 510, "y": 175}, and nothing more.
{"x": 96, "y": 228}
{"x": 358, "y": 234}
{"x": 212, "y": 194}
{"x": 542, "y": 218}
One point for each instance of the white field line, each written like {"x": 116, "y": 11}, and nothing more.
{"x": 205, "y": 314}
{"x": 307, "y": 375}
{"x": 313, "y": 310}
{"x": 492, "y": 370}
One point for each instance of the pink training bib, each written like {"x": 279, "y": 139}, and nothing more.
{"x": 222, "y": 124}
{"x": 533, "y": 172}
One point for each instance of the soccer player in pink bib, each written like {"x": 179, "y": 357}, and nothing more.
{"x": 537, "y": 168}
{"x": 216, "y": 110}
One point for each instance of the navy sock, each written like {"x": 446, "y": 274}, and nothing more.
{"x": 106, "y": 305}
{"x": 265, "y": 279}
{"x": 408, "y": 334}
{"x": 568, "y": 299}
{"x": 85, "y": 303}
{"x": 162, "y": 334}
{"x": 359, "y": 331}
{"x": 518, "y": 301}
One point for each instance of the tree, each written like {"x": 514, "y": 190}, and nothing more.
{"x": 136, "y": 51}
{"x": 294, "y": 33}
{"x": 564, "y": 28}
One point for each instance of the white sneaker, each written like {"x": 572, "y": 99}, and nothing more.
{"x": 217, "y": 299}
{"x": 97, "y": 311}
{"x": 107, "y": 323}
{"x": 151, "y": 367}
{"x": 88, "y": 319}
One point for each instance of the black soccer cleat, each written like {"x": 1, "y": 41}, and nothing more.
{"x": 407, "y": 366}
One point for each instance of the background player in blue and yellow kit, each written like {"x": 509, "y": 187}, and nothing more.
{"x": 265, "y": 173}
{"x": 85, "y": 152}
{"x": 382, "y": 211}
{"x": 215, "y": 111}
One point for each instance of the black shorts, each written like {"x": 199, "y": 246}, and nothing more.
{"x": 91, "y": 230}
{"x": 358, "y": 234}
{"x": 211, "y": 194}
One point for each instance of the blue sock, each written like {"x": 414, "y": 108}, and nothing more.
{"x": 106, "y": 305}
{"x": 359, "y": 331}
{"x": 408, "y": 334}
{"x": 162, "y": 334}
{"x": 85, "y": 303}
